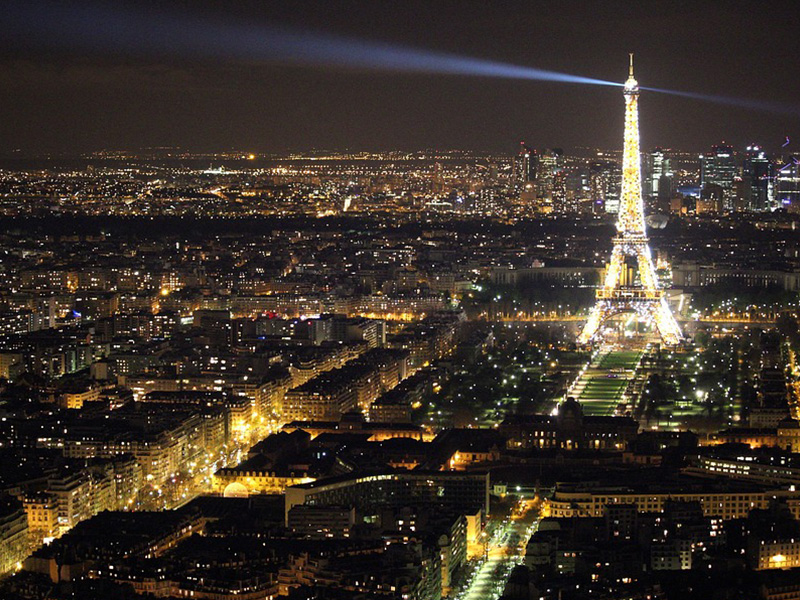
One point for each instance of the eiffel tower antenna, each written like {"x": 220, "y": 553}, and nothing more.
{"x": 621, "y": 291}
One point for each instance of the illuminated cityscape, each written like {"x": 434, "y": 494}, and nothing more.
{"x": 289, "y": 310}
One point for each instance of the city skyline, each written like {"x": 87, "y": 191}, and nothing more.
{"x": 540, "y": 365}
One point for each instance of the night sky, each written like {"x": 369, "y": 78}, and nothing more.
{"x": 138, "y": 89}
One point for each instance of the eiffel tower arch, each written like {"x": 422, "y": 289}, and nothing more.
{"x": 617, "y": 294}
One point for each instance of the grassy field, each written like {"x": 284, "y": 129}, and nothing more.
{"x": 604, "y": 388}
{"x": 602, "y": 395}
{"x": 620, "y": 360}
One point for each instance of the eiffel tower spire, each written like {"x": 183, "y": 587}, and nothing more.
{"x": 619, "y": 294}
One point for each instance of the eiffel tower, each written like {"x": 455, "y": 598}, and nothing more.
{"x": 621, "y": 293}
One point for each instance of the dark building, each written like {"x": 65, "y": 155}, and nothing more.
{"x": 569, "y": 429}
{"x": 368, "y": 492}
{"x": 526, "y": 164}
{"x": 757, "y": 173}
{"x": 718, "y": 168}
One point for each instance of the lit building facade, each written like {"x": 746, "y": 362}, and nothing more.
{"x": 722, "y": 503}
{"x": 14, "y": 535}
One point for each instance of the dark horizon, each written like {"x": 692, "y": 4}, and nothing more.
{"x": 68, "y": 97}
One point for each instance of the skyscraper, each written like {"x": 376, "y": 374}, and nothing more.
{"x": 757, "y": 175}
{"x": 787, "y": 185}
{"x": 525, "y": 164}
{"x": 605, "y": 179}
{"x": 718, "y": 168}
{"x": 550, "y": 163}
{"x": 561, "y": 202}
{"x": 659, "y": 169}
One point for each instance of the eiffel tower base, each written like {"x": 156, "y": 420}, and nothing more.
{"x": 653, "y": 310}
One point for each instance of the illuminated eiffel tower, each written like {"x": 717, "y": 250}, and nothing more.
{"x": 621, "y": 293}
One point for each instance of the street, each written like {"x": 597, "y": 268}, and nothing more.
{"x": 506, "y": 549}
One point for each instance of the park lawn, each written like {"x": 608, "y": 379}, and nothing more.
{"x": 620, "y": 360}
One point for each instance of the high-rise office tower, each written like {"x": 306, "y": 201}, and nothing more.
{"x": 560, "y": 198}
{"x": 550, "y": 163}
{"x": 787, "y": 185}
{"x": 579, "y": 190}
{"x": 718, "y": 168}
{"x": 605, "y": 179}
{"x": 757, "y": 176}
{"x": 525, "y": 165}
{"x": 659, "y": 172}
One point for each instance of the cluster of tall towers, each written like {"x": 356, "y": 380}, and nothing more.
{"x": 545, "y": 183}
{"x": 750, "y": 180}
{"x": 541, "y": 179}
{"x": 729, "y": 180}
